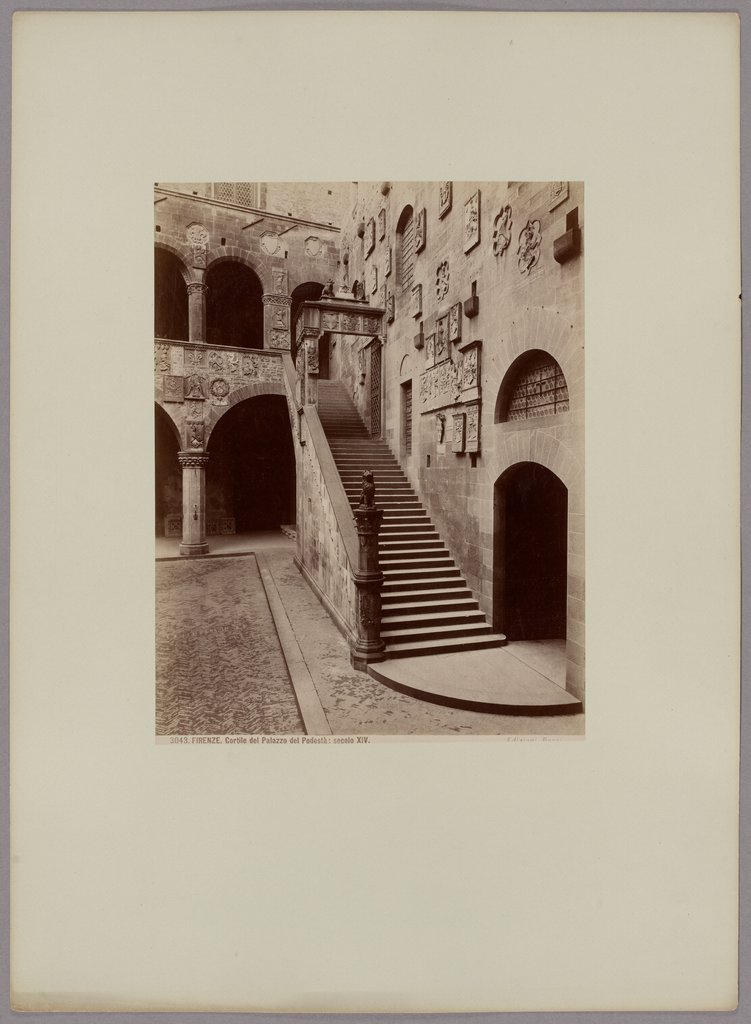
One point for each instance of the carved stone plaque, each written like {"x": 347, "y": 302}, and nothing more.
{"x": 502, "y": 230}
{"x": 415, "y": 308}
{"x": 390, "y": 309}
{"x": 420, "y": 230}
{"x": 216, "y": 361}
{"x": 381, "y": 223}
{"x": 198, "y": 238}
{"x": 558, "y": 193}
{"x": 373, "y": 279}
{"x": 173, "y": 388}
{"x": 445, "y": 197}
{"x": 195, "y": 359}
{"x": 472, "y": 438}
{"x": 162, "y": 358}
{"x": 279, "y": 281}
{"x": 219, "y": 389}
{"x": 530, "y": 238}
{"x": 442, "y": 277}
{"x": 195, "y": 388}
{"x": 472, "y": 221}
{"x": 313, "y": 246}
{"x": 270, "y": 243}
{"x": 441, "y": 339}
{"x": 279, "y": 339}
{"x": 369, "y": 237}
{"x": 430, "y": 350}
{"x": 387, "y": 261}
{"x": 457, "y": 432}
{"x": 195, "y": 435}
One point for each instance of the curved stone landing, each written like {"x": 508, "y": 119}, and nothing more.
{"x": 492, "y": 680}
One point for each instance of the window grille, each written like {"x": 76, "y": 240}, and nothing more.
{"x": 240, "y": 193}
{"x": 539, "y": 389}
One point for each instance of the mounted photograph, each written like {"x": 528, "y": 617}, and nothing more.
{"x": 369, "y": 460}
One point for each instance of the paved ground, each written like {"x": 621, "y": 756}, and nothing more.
{"x": 220, "y": 667}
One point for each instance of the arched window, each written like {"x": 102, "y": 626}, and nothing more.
{"x": 405, "y": 248}
{"x": 170, "y": 297}
{"x": 534, "y": 386}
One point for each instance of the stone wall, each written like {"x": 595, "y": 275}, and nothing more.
{"x": 496, "y": 241}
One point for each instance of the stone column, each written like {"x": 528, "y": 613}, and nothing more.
{"x": 311, "y": 369}
{"x": 276, "y": 317}
{"x": 368, "y": 581}
{"x": 197, "y": 311}
{"x": 194, "y": 503}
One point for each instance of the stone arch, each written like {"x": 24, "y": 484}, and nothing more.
{"x": 541, "y": 447}
{"x": 239, "y": 395}
{"x": 233, "y": 253}
{"x": 182, "y": 252}
{"x": 405, "y": 367}
{"x": 166, "y": 408}
{"x": 546, "y": 330}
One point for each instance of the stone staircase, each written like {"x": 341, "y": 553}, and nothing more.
{"x": 427, "y": 607}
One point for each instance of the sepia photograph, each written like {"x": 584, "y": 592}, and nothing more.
{"x": 369, "y": 458}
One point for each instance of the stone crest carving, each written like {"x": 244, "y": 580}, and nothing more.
{"x": 457, "y": 432}
{"x": 445, "y": 197}
{"x": 502, "y": 230}
{"x": 350, "y": 322}
{"x": 370, "y": 325}
{"x": 279, "y": 339}
{"x": 233, "y": 362}
{"x": 195, "y": 435}
{"x": 173, "y": 390}
{"x": 430, "y": 349}
{"x": 198, "y": 239}
{"x": 470, "y": 369}
{"x": 415, "y": 308}
{"x": 219, "y": 389}
{"x": 313, "y": 246}
{"x": 195, "y": 411}
{"x": 216, "y": 360}
{"x": 472, "y": 221}
{"x": 558, "y": 193}
{"x": 442, "y": 277}
{"x": 270, "y": 243}
{"x": 528, "y": 252}
{"x": 279, "y": 281}
{"x": 369, "y": 237}
{"x": 390, "y": 309}
{"x": 280, "y": 318}
{"x": 472, "y": 429}
{"x": 455, "y": 322}
{"x": 311, "y": 355}
{"x": 420, "y": 230}
{"x": 194, "y": 387}
{"x": 441, "y": 339}
{"x": 195, "y": 358}
{"x": 381, "y": 223}
{"x": 373, "y": 276}
{"x": 161, "y": 358}
{"x": 387, "y": 261}
{"x": 382, "y": 296}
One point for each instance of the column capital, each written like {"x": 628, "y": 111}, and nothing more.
{"x": 272, "y": 299}
{"x": 196, "y": 287}
{"x": 193, "y": 458}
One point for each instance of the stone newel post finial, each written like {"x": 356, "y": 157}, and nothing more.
{"x": 368, "y": 579}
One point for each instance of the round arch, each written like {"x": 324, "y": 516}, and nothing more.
{"x": 240, "y": 395}
{"x": 180, "y": 252}
{"x": 162, "y": 406}
{"x": 168, "y": 488}
{"x": 171, "y": 317}
{"x": 234, "y": 304}
{"x": 234, "y": 254}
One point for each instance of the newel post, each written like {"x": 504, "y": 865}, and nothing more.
{"x": 368, "y": 580}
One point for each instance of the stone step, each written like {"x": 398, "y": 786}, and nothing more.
{"x": 429, "y": 609}
{"x": 422, "y": 631}
{"x": 419, "y": 621}
{"x": 397, "y": 533}
{"x": 418, "y": 561}
{"x": 430, "y": 598}
{"x": 418, "y": 648}
{"x": 421, "y": 574}
{"x": 404, "y": 582}
{"x": 415, "y": 545}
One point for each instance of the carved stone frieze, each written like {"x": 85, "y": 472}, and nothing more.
{"x": 530, "y": 238}
{"x": 472, "y": 221}
{"x": 195, "y": 359}
{"x": 373, "y": 279}
{"x": 162, "y": 362}
{"x": 193, "y": 459}
{"x": 195, "y": 388}
{"x": 279, "y": 340}
{"x": 219, "y": 389}
{"x": 440, "y": 386}
{"x": 216, "y": 361}
{"x": 276, "y": 299}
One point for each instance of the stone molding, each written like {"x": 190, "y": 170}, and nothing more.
{"x": 191, "y": 459}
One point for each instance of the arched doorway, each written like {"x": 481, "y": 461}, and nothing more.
{"x": 234, "y": 306}
{"x": 168, "y": 476}
{"x": 530, "y": 553}
{"x": 170, "y": 297}
{"x": 251, "y": 470}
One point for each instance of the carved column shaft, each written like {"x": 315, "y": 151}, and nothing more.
{"x": 368, "y": 582}
{"x": 194, "y": 502}
{"x": 197, "y": 311}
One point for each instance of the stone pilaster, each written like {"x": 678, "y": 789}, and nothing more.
{"x": 368, "y": 582}
{"x": 197, "y": 311}
{"x": 276, "y": 321}
{"x": 194, "y": 503}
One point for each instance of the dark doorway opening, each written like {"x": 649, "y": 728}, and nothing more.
{"x": 168, "y": 476}
{"x": 310, "y": 291}
{"x": 324, "y": 355}
{"x": 251, "y": 470}
{"x": 234, "y": 306}
{"x": 529, "y": 553}
{"x": 170, "y": 297}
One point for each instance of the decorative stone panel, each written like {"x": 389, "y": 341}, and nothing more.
{"x": 457, "y": 432}
{"x": 558, "y": 193}
{"x": 390, "y": 308}
{"x": 471, "y": 372}
{"x": 198, "y": 239}
{"x": 440, "y": 386}
{"x": 387, "y": 264}
{"x": 373, "y": 279}
{"x": 195, "y": 388}
{"x": 442, "y": 277}
{"x": 430, "y": 350}
{"x": 416, "y": 303}
{"x": 270, "y": 243}
{"x": 455, "y": 322}
{"x": 313, "y": 246}
{"x": 472, "y": 429}
{"x": 195, "y": 435}
{"x": 381, "y": 223}
{"x": 195, "y": 359}
{"x": 441, "y": 339}
{"x": 502, "y": 230}
{"x": 162, "y": 363}
{"x": 173, "y": 388}
{"x": 472, "y": 221}
{"x": 530, "y": 238}
{"x": 369, "y": 237}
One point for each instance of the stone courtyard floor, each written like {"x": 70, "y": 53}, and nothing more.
{"x": 221, "y": 668}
